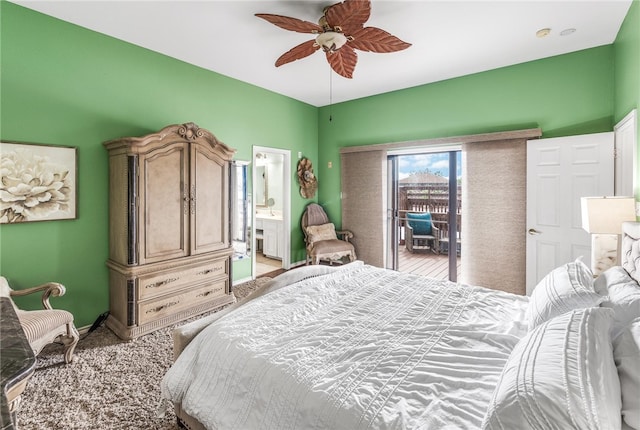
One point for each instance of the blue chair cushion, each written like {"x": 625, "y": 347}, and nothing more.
{"x": 420, "y": 223}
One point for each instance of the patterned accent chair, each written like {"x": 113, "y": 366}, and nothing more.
{"x": 45, "y": 326}
{"x": 322, "y": 240}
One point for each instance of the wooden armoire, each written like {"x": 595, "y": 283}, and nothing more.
{"x": 169, "y": 236}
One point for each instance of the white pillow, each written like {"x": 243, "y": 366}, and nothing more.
{"x": 561, "y": 375}
{"x": 611, "y": 276}
{"x": 623, "y": 297}
{"x": 564, "y": 289}
{"x": 626, "y": 352}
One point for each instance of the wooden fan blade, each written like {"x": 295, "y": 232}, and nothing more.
{"x": 343, "y": 61}
{"x": 350, "y": 15}
{"x": 292, "y": 24}
{"x": 373, "y": 39}
{"x": 297, "y": 52}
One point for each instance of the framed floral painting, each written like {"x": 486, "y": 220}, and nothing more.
{"x": 39, "y": 182}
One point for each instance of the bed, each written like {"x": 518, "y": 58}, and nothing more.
{"x": 357, "y": 347}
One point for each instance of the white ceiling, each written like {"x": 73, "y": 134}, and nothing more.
{"x": 450, "y": 38}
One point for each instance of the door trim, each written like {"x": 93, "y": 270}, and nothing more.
{"x": 286, "y": 206}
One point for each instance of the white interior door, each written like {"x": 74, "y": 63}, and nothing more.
{"x": 559, "y": 172}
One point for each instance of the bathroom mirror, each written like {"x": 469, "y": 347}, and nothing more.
{"x": 240, "y": 206}
{"x": 261, "y": 184}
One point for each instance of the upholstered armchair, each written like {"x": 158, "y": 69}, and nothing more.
{"x": 420, "y": 232}
{"x": 45, "y": 326}
{"x": 322, "y": 240}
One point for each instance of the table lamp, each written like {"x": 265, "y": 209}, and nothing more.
{"x": 603, "y": 218}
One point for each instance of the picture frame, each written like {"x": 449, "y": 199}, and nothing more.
{"x": 39, "y": 182}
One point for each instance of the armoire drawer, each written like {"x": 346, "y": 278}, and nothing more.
{"x": 157, "y": 284}
{"x": 159, "y": 308}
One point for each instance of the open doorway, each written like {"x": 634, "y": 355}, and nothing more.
{"x": 271, "y": 209}
{"x": 425, "y": 210}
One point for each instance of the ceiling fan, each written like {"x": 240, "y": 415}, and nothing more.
{"x": 340, "y": 31}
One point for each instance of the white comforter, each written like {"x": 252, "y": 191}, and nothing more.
{"x": 360, "y": 348}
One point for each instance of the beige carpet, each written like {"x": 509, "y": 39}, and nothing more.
{"x": 111, "y": 384}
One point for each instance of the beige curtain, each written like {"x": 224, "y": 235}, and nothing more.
{"x": 494, "y": 215}
{"x": 364, "y": 184}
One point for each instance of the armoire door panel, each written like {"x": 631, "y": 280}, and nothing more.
{"x": 209, "y": 214}
{"x": 164, "y": 205}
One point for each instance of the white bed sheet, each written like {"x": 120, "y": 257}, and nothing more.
{"x": 359, "y": 348}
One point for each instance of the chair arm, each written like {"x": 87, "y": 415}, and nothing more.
{"x": 408, "y": 231}
{"x": 49, "y": 289}
{"x": 346, "y": 234}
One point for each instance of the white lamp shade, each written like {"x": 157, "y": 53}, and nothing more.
{"x": 605, "y": 215}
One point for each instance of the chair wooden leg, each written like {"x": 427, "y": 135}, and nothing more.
{"x": 70, "y": 341}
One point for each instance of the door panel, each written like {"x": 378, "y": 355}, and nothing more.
{"x": 164, "y": 207}
{"x": 548, "y": 198}
{"x": 626, "y": 141}
{"x": 559, "y": 172}
{"x": 209, "y": 218}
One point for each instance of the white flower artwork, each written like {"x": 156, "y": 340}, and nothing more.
{"x": 38, "y": 182}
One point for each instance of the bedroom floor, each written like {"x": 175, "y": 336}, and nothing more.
{"x": 265, "y": 265}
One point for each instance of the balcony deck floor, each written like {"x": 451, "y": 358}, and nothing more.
{"x": 425, "y": 263}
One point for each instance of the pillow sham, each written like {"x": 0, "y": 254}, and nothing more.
{"x": 626, "y": 352}
{"x": 317, "y": 233}
{"x": 623, "y": 297}
{"x": 561, "y": 375}
{"x": 564, "y": 289}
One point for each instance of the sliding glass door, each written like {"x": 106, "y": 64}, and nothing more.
{"x": 424, "y": 207}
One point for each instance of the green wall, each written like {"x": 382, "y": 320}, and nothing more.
{"x": 65, "y": 85}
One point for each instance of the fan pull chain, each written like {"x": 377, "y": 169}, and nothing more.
{"x": 330, "y": 93}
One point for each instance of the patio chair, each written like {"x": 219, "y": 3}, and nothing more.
{"x": 322, "y": 240}
{"x": 45, "y": 326}
{"x": 420, "y": 233}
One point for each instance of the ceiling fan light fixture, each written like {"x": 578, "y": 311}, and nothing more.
{"x": 543, "y": 32}
{"x": 331, "y": 41}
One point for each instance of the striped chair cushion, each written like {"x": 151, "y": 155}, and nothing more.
{"x": 37, "y": 324}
